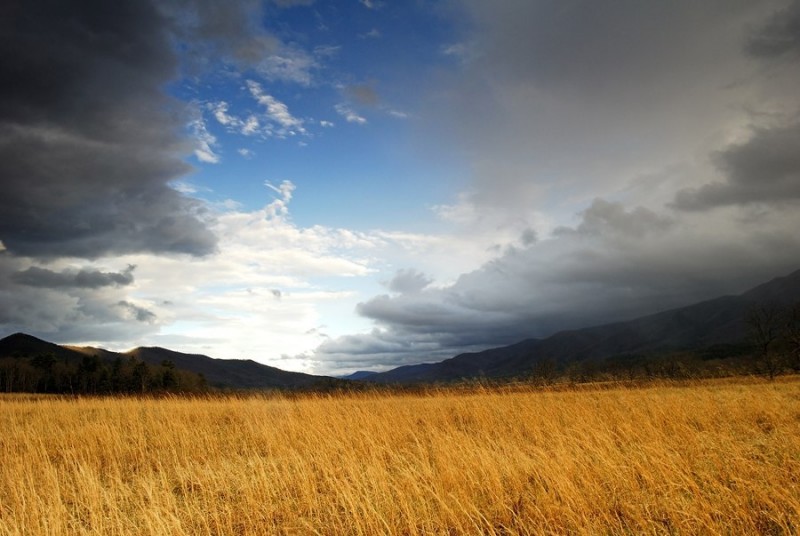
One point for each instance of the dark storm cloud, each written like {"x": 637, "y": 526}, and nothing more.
{"x": 780, "y": 36}
{"x": 86, "y": 278}
{"x": 765, "y": 169}
{"x": 88, "y": 138}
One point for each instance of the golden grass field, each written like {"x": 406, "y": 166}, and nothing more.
{"x": 717, "y": 457}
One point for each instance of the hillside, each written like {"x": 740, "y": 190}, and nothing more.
{"x": 220, "y": 373}
{"x": 720, "y": 321}
{"x": 24, "y": 345}
{"x": 231, "y": 373}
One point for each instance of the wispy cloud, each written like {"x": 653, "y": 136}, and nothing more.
{"x": 289, "y": 65}
{"x": 350, "y": 115}
{"x": 372, "y": 34}
{"x": 205, "y": 142}
{"x": 276, "y": 120}
{"x": 276, "y": 111}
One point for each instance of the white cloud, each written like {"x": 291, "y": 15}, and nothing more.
{"x": 326, "y": 124}
{"x": 223, "y": 305}
{"x": 220, "y": 112}
{"x": 276, "y": 121}
{"x": 288, "y": 65}
{"x": 183, "y": 187}
{"x": 251, "y": 126}
{"x": 372, "y": 34}
{"x": 205, "y": 141}
{"x": 349, "y": 114}
{"x": 248, "y": 126}
{"x": 327, "y": 51}
{"x": 276, "y": 111}
{"x": 463, "y": 52}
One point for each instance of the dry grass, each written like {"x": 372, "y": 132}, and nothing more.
{"x": 718, "y": 457}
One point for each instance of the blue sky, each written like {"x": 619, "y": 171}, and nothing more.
{"x": 352, "y": 77}
{"x": 336, "y": 186}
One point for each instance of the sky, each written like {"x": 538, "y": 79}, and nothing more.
{"x": 328, "y": 187}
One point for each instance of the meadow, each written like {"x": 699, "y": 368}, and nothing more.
{"x": 711, "y": 457}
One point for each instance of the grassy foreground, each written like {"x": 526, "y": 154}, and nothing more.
{"x": 712, "y": 457}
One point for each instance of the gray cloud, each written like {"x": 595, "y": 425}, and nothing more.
{"x": 408, "y": 281}
{"x": 85, "y": 278}
{"x": 140, "y": 314}
{"x": 222, "y": 30}
{"x": 764, "y": 169}
{"x": 607, "y": 218}
{"x": 616, "y": 263}
{"x": 779, "y": 36}
{"x": 529, "y": 237}
{"x": 384, "y": 349}
{"x": 615, "y": 112}
{"x": 561, "y": 100}
{"x": 88, "y": 139}
{"x": 70, "y": 306}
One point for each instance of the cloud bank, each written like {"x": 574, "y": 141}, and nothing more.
{"x": 88, "y": 139}
{"x": 644, "y": 157}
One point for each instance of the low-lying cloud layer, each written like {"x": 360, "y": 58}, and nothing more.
{"x": 35, "y": 276}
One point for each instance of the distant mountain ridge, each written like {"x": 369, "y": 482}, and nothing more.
{"x": 22, "y": 344}
{"x": 358, "y": 375}
{"x": 222, "y": 373}
{"x": 712, "y": 322}
{"x": 237, "y": 373}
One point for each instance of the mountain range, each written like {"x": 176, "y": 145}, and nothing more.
{"x": 720, "y": 322}
{"x": 717, "y": 323}
{"x": 221, "y": 373}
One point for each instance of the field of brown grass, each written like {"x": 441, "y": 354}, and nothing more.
{"x": 706, "y": 458}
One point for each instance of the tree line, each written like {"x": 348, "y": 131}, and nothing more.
{"x": 47, "y": 373}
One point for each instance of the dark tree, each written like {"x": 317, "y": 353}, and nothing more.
{"x": 764, "y": 322}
